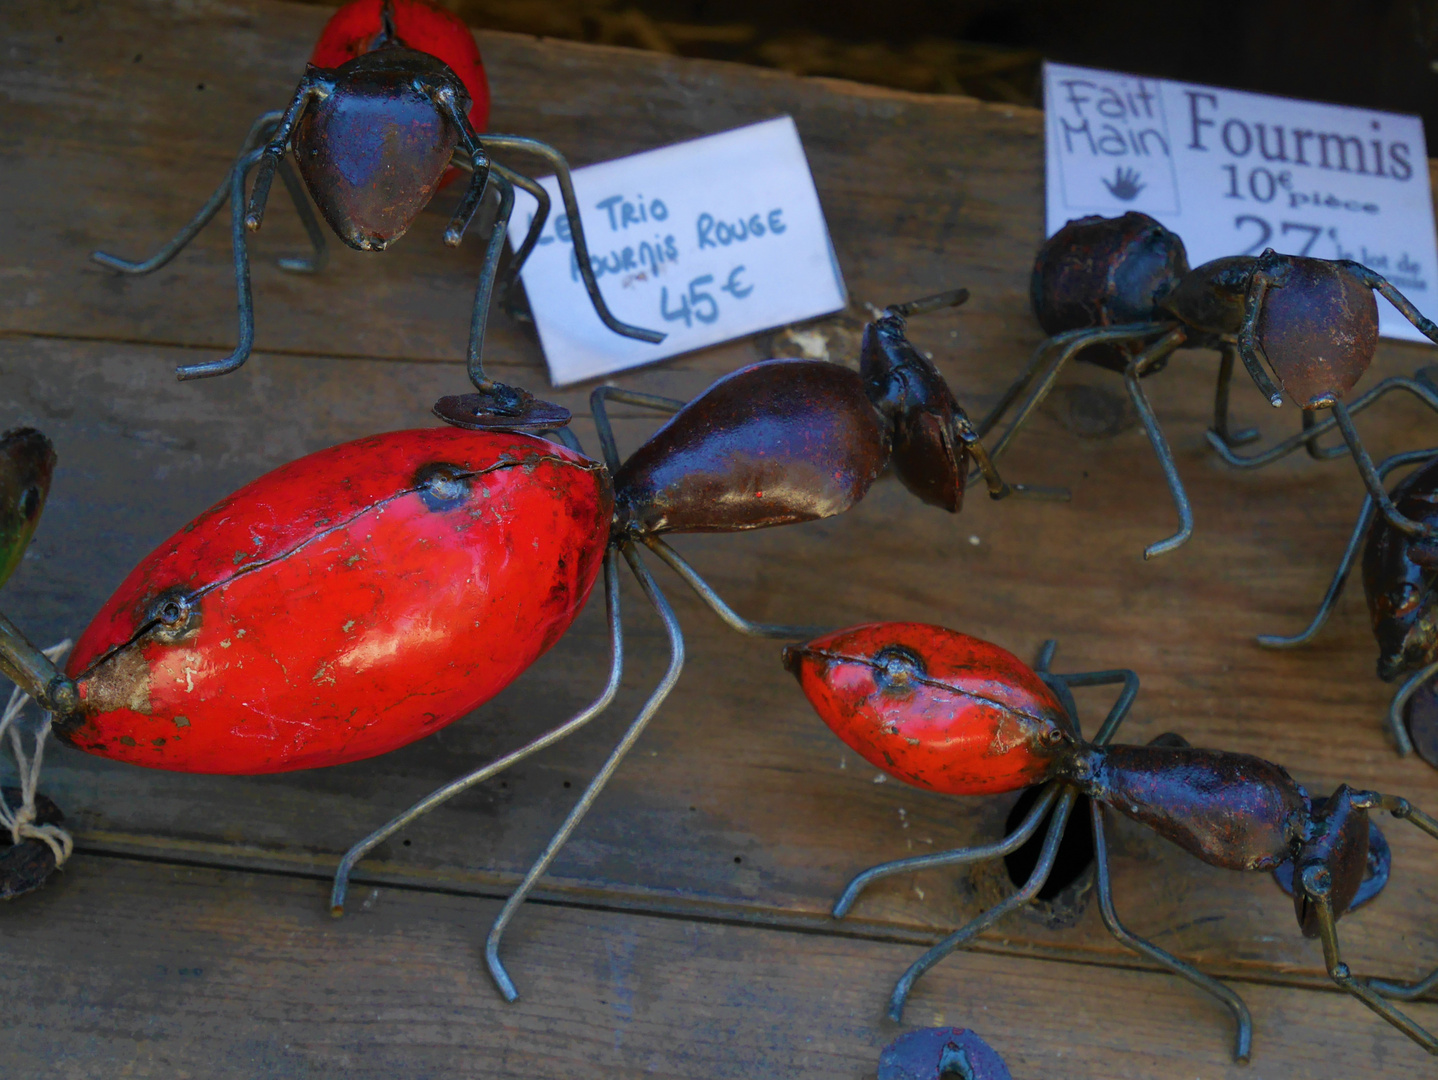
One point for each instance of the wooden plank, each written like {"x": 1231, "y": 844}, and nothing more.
{"x": 143, "y": 970}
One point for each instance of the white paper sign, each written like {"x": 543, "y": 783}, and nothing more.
{"x": 703, "y": 241}
{"x": 1234, "y": 173}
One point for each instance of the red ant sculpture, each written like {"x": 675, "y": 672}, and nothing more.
{"x": 394, "y": 94}
{"x": 950, "y": 713}
{"x": 1119, "y": 292}
{"x": 398, "y": 560}
{"x": 1399, "y": 573}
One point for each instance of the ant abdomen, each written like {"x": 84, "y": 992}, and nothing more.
{"x": 775, "y": 443}
{"x": 1231, "y": 810}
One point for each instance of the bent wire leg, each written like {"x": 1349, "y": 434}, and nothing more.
{"x": 733, "y": 619}
{"x": 275, "y": 146}
{"x": 464, "y": 783}
{"x": 1403, "y": 809}
{"x": 1314, "y": 429}
{"x": 531, "y": 238}
{"x": 1249, "y": 347}
{"x": 671, "y": 676}
{"x": 968, "y": 932}
{"x": 1316, "y": 883}
{"x": 556, "y": 161}
{"x": 1350, "y": 555}
{"x": 319, "y": 250}
{"x": 479, "y": 318}
{"x": 1068, "y": 345}
{"x": 1373, "y": 481}
{"x": 244, "y": 301}
{"x": 1131, "y": 375}
{"x": 1310, "y": 441}
{"x": 1221, "y": 427}
{"x": 599, "y": 398}
{"x": 1243, "y": 1037}
{"x": 258, "y": 133}
{"x": 1396, "y": 707}
{"x": 1405, "y": 306}
{"x": 1121, "y": 706}
{"x": 954, "y": 857}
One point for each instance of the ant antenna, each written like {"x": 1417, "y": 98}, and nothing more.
{"x": 952, "y": 298}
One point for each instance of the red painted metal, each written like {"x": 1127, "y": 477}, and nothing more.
{"x": 934, "y": 708}
{"x": 344, "y": 605}
{"x": 352, "y": 30}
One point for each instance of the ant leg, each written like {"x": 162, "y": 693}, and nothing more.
{"x": 1243, "y": 1038}
{"x": 1249, "y": 347}
{"x": 1220, "y": 402}
{"x": 311, "y": 87}
{"x": 442, "y": 795}
{"x": 1401, "y": 808}
{"x": 259, "y": 131}
{"x": 1402, "y": 740}
{"x": 1372, "y": 480}
{"x": 598, "y": 399}
{"x": 1069, "y": 345}
{"x": 999, "y": 488}
{"x": 1314, "y": 429}
{"x": 1310, "y": 441}
{"x": 1350, "y": 555}
{"x": 1317, "y": 883}
{"x": 733, "y": 619}
{"x": 531, "y": 238}
{"x": 1120, "y": 707}
{"x": 245, "y": 302}
{"x": 671, "y": 676}
{"x": 955, "y": 857}
{"x": 1386, "y": 290}
{"x": 319, "y": 251}
{"x": 482, "y": 292}
{"x": 576, "y": 229}
{"x": 968, "y": 932}
{"x": 1131, "y": 375}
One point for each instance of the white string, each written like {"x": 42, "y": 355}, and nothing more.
{"x": 21, "y": 821}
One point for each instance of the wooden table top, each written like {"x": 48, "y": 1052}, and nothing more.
{"x": 684, "y": 931}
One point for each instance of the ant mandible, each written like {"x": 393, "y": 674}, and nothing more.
{"x": 394, "y": 94}
{"x": 950, "y": 713}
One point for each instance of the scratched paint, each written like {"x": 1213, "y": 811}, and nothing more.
{"x": 381, "y": 596}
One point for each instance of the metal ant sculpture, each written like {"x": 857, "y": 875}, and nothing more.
{"x": 394, "y": 94}
{"x": 291, "y": 625}
{"x": 1118, "y": 292}
{"x": 950, "y": 713}
{"x": 1399, "y": 575}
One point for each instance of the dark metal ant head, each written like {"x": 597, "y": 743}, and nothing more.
{"x": 774, "y": 443}
{"x": 1099, "y": 271}
{"x": 374, "y": 148}
{"x": 1210, "y": 297}
{"x": 27, "y": 464}
{"x": 945, "y": 1053}
{"x": 1334, "y": 856}
{"x": 917, "y": 405}
{"x": 1398, "y": 580}
{"x": 1318, "y": 327}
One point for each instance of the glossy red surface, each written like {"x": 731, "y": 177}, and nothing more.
{"x": 933, "y": 707}
{"x": 341, "y": 606}
{"x": 352, "y": 30}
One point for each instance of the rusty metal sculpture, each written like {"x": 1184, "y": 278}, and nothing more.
{"x": 1399, "y": 575}
{"x": 393, "y": 96}
{"x": 953, "y": 714}
{"x": 1118, "y": 292}
{"x": 373, "y": 548}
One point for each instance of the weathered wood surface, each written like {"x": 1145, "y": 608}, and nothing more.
{"x": 150, "y": 955}
{"x": 738, "y": 804}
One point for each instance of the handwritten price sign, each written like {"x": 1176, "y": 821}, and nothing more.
{"x": 1234, "y": 173}
{"x": 706, "y": 240}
